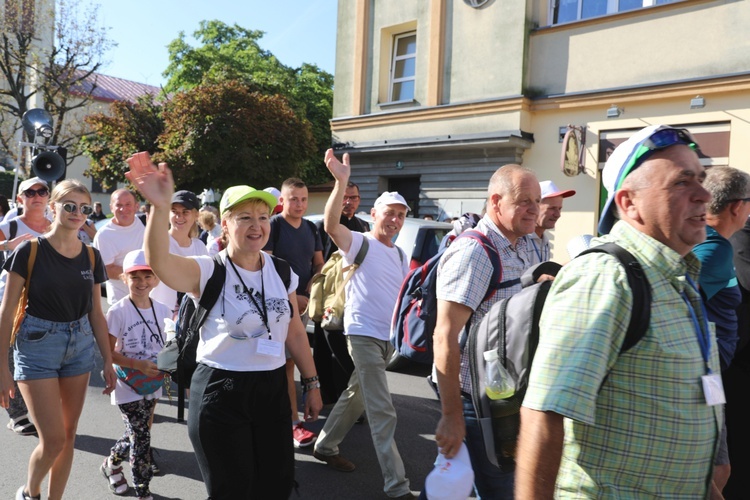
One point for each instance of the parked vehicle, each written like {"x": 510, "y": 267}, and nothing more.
{"x": 420, "y": 240}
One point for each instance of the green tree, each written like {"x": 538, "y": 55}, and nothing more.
{"x": 126, "y": 128}
{"x": 234, "y": 53}
{"x": 62, "y": 72}
{"x": 222, "y": 134}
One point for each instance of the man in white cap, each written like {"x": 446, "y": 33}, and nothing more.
{"x": 370, "y": 298}
{"x": 599, "y": 422}
{"x": 549, "y": 212}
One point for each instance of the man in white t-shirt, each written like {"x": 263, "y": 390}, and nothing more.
{"x": 123, "y": 233}
{"x": 370, "y": 298}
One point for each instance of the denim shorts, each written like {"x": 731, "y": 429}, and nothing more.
{"x": 50, "y": 349}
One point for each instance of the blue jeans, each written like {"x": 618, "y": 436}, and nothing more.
{"x": 490, "y": 481}
{"x": 53, "y": 349}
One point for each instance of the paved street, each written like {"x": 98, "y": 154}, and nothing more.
{"x": 418, "y": 412}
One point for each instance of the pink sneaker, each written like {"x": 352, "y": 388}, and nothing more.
{"x": 302, "y": 437}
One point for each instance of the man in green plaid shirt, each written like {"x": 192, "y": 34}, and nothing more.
{"x": 596, "y": 423}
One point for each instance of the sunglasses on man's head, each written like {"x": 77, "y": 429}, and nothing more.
{"x": 42, "y": 192}
{"x": 659, "y": 140}
{"x": 71, "y": 208}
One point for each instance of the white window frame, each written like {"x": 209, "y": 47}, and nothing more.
{"x": 396, "y": 58}
{"x": 612, "y": 8}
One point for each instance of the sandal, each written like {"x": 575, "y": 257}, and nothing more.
{"x": 117, "y": 482}
{"x": 22, "y": 426}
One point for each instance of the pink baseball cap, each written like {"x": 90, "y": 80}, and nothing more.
{"x": 135, "y": 261}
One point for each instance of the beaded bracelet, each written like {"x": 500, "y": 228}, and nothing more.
{"x": 310, "y": 380}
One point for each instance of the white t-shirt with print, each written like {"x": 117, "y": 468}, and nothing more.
{"x": 230, "y": 336}
{"x": 114, "y": 242}
{"x": 136, "y": 340}
{"x": 372, "y": 291}
{"x": 162, "y": 292}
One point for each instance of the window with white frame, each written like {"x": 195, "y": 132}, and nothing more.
{"x": 403, "y": 67}
{"x": 565, "y": 11}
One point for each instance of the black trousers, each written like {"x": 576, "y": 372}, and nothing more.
{"x": 333, "y": 363}
{"x": 240, "y": 426}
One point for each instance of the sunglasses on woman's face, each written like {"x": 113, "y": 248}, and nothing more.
{"x": 41, "y": 192}
{"x": 71, "y": 208}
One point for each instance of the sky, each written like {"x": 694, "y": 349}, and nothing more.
{"x": 297, "y": 31}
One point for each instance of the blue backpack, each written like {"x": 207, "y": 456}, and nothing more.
{"x": 415, "y": 313}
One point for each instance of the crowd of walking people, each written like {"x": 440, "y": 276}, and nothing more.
{"x": 597, "y": 420}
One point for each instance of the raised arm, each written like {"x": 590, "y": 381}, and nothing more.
{"x": 340, "y": 234}
{"x": 157, "y": 186}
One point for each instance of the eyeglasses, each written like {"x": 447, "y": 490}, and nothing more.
{"x": 739, "y": 199}
{"x": 71, "y": 208}
{"x": 351, "y": 198}
{"x": 659, "y": 140}
{"x": 42, "y": 192}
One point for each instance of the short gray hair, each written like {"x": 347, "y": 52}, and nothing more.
{"x": 501, "y": 181}
{"x": 726, "y": 185}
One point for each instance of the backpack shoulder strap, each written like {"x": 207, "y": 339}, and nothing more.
{"x": 210, "y": 294}
{"x": 32, "y": 259}
{"x": 640, "y": 287}
{"x": 283, "y": 269}
{"x": 360, "y": 257}
{"x": 496, "y": 282}
{"x": 92, "y": 258}
{"x": 13, "y": 227}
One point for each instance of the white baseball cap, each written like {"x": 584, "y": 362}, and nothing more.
{"x": 31, "y": 182}
{"x": 135, "y": 261}
{"x": 549, "y": 190}
{"x": 579, "y": 244}
{"x": 622, "y": 162}
{"x": 451, "y": 478}
{"x": 391, "y": 198}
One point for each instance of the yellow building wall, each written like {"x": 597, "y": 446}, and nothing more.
{"x": 580, "y": 212}
{"x": 683, "y": 40}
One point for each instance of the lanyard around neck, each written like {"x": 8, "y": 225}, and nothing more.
{"x": 536, "y": 249}
{"x": 701, "y": 328}
{"x": 158, "y": 338}
{"x": 262, "y": 311}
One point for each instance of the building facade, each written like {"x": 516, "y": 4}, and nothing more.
{"x": 432, "y": 96}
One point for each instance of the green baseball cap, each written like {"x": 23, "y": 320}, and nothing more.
{"x": 237, "y": 194}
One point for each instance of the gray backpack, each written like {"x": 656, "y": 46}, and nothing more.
{"x": 511, "y": 328}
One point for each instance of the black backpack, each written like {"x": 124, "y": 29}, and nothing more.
{"x": 511, "y": 327}
{"x": 178, "y": 357}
